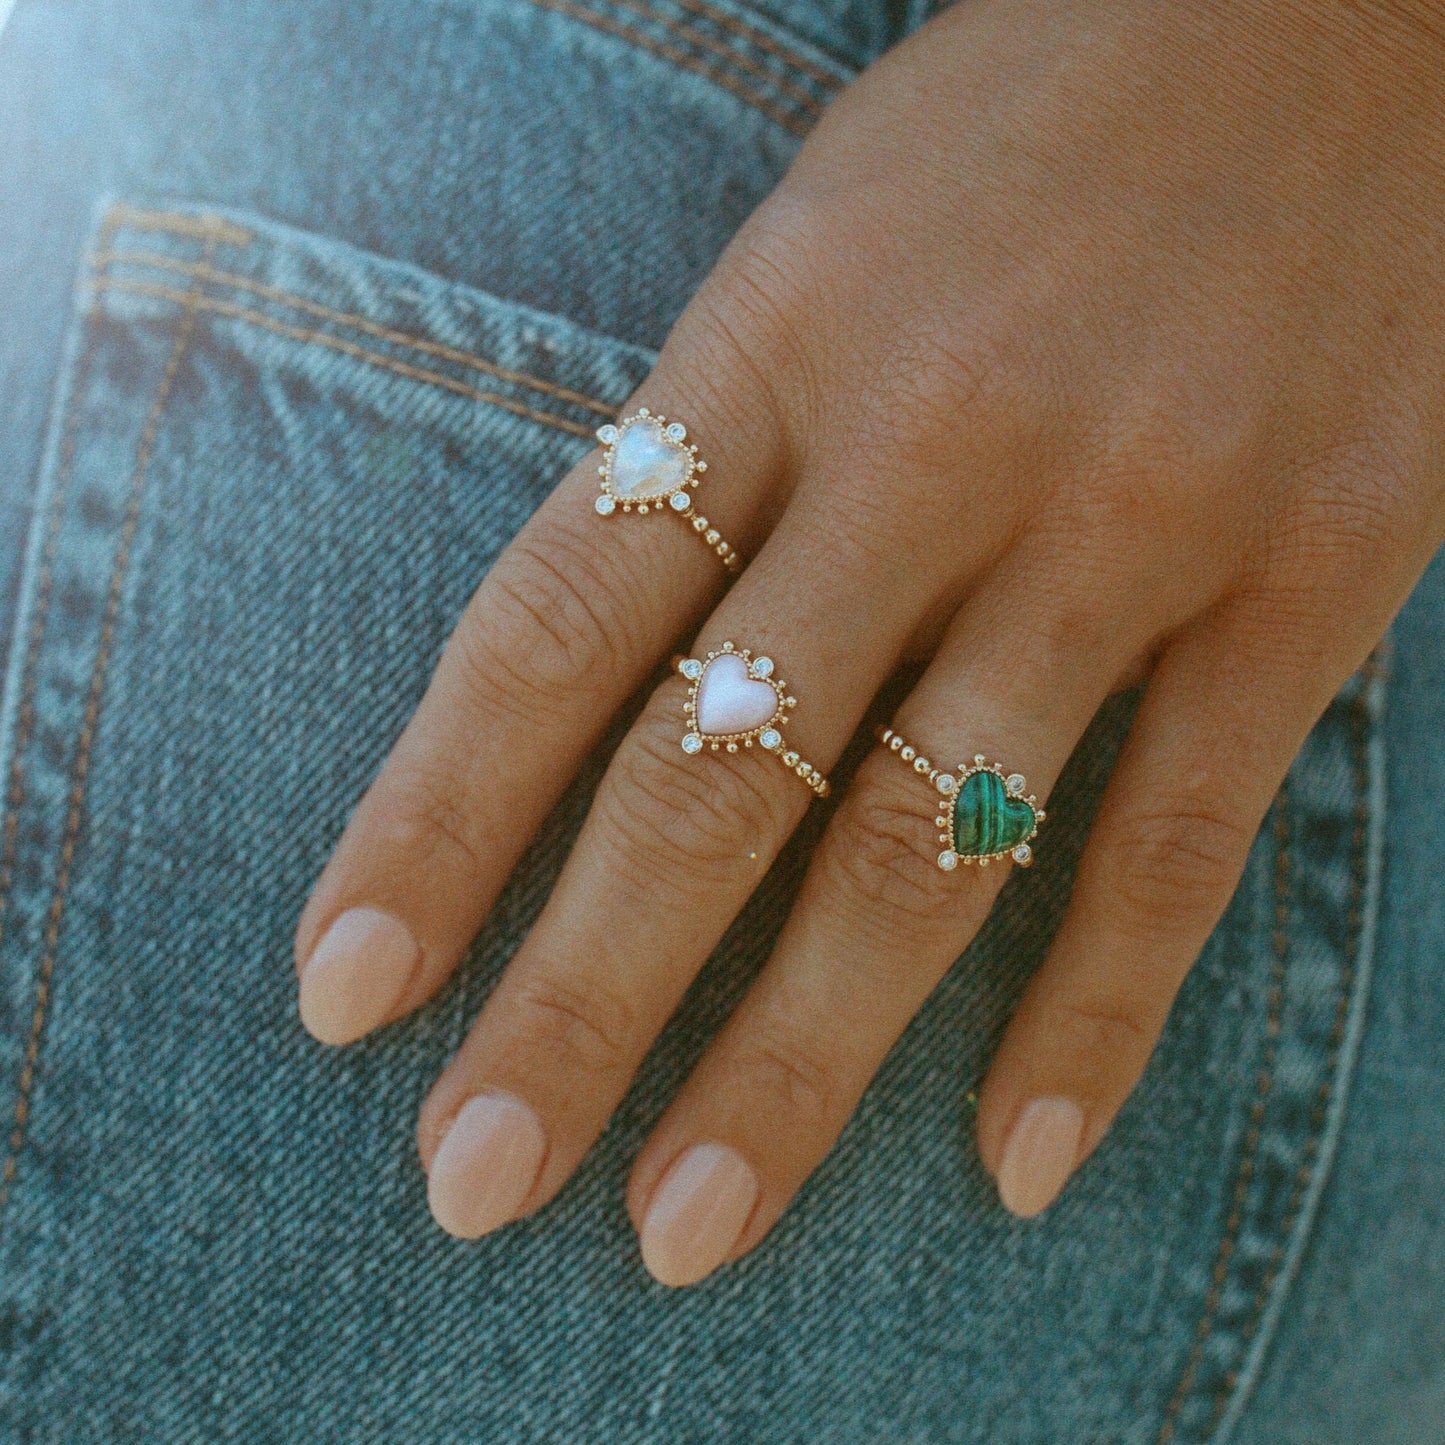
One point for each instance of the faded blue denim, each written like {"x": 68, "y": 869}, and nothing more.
{"x": 303, "y": 308}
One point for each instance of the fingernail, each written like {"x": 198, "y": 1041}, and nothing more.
{"x": 356, "y": 974}
{"x": 486, "y": 1165}
{"x": 1039, "y": 1155}
{"x": 697, "y": 1214}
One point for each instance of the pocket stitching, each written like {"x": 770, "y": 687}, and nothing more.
{"x": 308, "y": 336}
{"x": 211, "y": 274}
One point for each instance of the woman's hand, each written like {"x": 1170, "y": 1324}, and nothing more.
{"x": 1082, "y": 341}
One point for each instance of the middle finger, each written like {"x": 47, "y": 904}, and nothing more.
{"x": 672, "y": 847}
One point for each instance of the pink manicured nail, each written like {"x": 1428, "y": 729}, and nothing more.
{"x": 1039, "y": 1155}
{"x": 356, "y": 974}
{"x": 486, "y": 1165}
{"x": 697, "y": 1214}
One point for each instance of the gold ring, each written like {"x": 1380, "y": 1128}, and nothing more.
{"x": 648, "y": 465}
{"x": 736, "y": 701}
{"x": 991, "y": 815}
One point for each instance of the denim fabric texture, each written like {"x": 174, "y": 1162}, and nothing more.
{"x": 303, "y": 309}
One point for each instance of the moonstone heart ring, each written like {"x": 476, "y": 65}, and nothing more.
{"x": 734, "y": 702}
{"x": 983, "y": 813}
{"x": 648, "y": 465}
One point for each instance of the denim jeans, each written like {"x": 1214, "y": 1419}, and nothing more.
{"x": 303, "y": 308}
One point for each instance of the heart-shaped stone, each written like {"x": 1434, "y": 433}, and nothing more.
{"x": 986, "y": 820}
{"x": 729, "y": 701}
{"x": 646, "y": 463}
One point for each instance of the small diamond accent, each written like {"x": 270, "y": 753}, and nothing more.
{"x": 691, "y": 668}
{"x": 1014, "y": 783}
{"x": 607, "y": 434}
{"x": 945, "y": 782}
{"x": 676, "y": 431}
{"x": 770, "y": 738}
{"x": 691, "y": 743}
{"x": 605, "y": 504}
{"x": 762, "y": 667}
{"x": 948, "y": 860}
{"x": 1023, "y": 853}
{"x": 680, "y": 501}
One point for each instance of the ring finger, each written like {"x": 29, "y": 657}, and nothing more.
{"x": 876, "y": 926}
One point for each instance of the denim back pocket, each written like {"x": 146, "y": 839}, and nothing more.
{"x": 278, "y": 469}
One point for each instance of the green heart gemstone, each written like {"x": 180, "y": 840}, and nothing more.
{"x": 986, "y": 820}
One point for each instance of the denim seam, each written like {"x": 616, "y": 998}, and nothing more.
{"x": 1283, "y": 911}
{"x": 676, "y": 57}
{"x": 327, "y": 313}
{"x": 201, "y": 302}
{"x": 25, "y": 712}
{"x": 1229, "y": 1396}
{"x": 804, "y": 99}
{"x": 762, "y": 40}
{"x": 81, "y": 767}
{"x": 1327, "y": 1116}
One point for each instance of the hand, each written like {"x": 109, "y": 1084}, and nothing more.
{"x": 1081, "y": 342}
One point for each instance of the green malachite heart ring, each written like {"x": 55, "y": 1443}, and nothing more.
{"x": 648, "y": 465}
{"x": 985, "y": 814}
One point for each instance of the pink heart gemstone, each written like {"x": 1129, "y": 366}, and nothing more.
{"x": 729, "y": 701}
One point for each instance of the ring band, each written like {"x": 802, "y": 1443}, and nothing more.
{"x": 735, "y": 701}
{"x": 986, "y": 814}
{"x": 648, "y": 465}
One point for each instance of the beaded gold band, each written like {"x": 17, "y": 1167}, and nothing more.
{"x": 984, "y": 814}
{"x": 648, "y": 465}
{"x": 734, "y": 702}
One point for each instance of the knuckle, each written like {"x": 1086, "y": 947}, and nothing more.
{"x": 424, "y": 819}
{"x": 749, "y": 327}
{"x": 709, "y": 809}
{"x": 1111, "y": 1027}
{"x": 885, "y": 855}
{"x": 1180, "y": 862}
{"x": 778, "y": 1064}
{"x": 587, "y": 1027}
{"x": 544, "y": 623}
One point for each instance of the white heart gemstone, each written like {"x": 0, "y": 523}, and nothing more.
{"x": 645, "y": 464}
{"x": 729, "y": 701}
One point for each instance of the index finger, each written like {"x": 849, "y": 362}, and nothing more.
{"x": 560, "y": 632}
